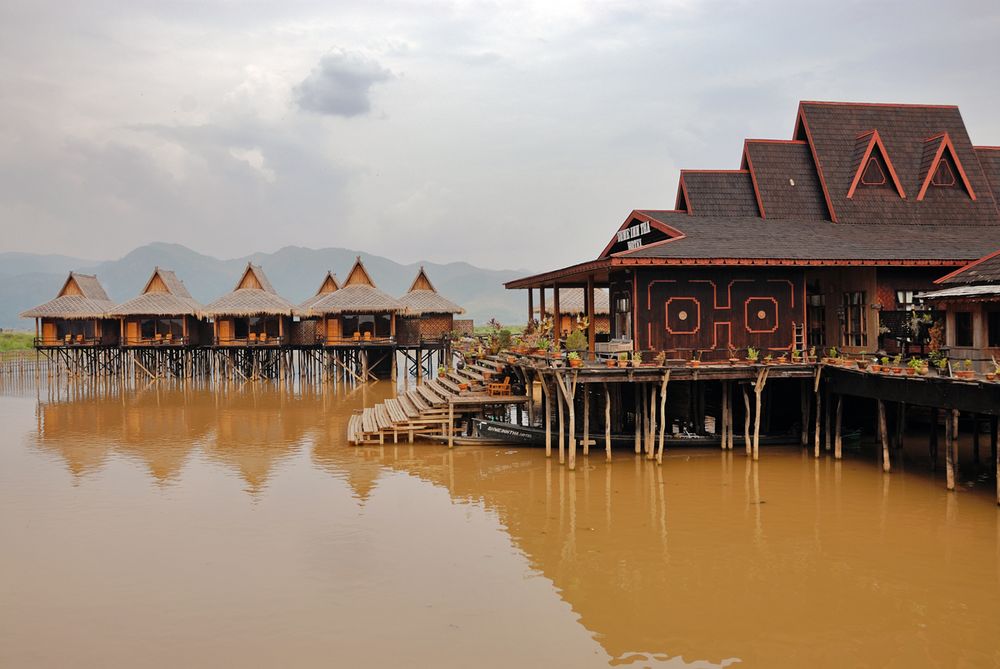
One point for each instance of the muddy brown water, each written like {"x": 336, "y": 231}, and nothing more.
{"x": 203, "y": 528}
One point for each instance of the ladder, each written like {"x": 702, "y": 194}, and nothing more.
{"x": 798, "y": 337}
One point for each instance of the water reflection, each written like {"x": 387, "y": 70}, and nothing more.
{"x": 708, "y": 559}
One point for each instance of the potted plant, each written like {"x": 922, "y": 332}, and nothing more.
{"x": 942, "y": 366}
{"x": 913, "y": 366}
{"x": 782, "y": 359}
{"x": 576, "y": 341}
{"x": 611, "y": 362}
{"x": 967, "y": 371}
{"x": 695, "y": 359}
{"x": 796, "y": 356}
{"x": 574, "y": 359}
{"x": 992, "y": 376}
{"x": 831, "y": 357}
{"x": 733, "y": 358}
{"x": 862, "y": 363}
{"x": 441, "y": 371}
{"x": 768, "y": 359}
{"x": 811, "y": 356}
{"x": 542, "y": 345}
{"x": 876, "y": 366}
{"x": 897, "y": 363}
{"x": 636, "y": 358}
{"x": 660, "y": 359}
{"x": 753, "y": 355}
{"x": 463, "y": 387}
{"x": 623, "y": 359}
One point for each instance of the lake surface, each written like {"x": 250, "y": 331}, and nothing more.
{"x": 173, "y": 527}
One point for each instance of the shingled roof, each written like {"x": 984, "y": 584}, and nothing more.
{"x": 357, "y": 295}
{"x": 571, "y": 302}
{"x": 163, "y": 295}
{"x": 832, "y": 130}
{"x": 423, "y": 298}
{"x": 983, "y": 270}
{"x": 81, "y": 297}
{"x": 253, "y": 296}
{"x": 989, "y": 160}
{"x": 752, "y": 238}
{"x": 784, "y": 178}
{"x": 716, "y": 193}
{"x": 328, "y": 285}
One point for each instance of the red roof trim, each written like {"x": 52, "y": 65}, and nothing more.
{"x": 875, "y": 140}
{"x": 786, "y": 262}
{"x": 801, "y": 118}
{"x": 659, "y": 225}
{"x": 753, "y": 178}
{"x": 945, "y": 144}
{"x": 682, "y": 193}
{"x": 775, "y": 141}
{"x": 986, "y": 148}
{"x": 972, "y": 264}
{"x": 875, "y": 104}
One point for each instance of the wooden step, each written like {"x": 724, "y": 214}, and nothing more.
{"x": 407, "y": 406}
{"x": 396, "y": 411}
{"x": 368, "y": 423}
{"x": 382, "y": 417}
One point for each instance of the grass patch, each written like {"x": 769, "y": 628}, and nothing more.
{"x": 16, "y": 341}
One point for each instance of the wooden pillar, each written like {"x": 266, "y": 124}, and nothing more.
{"x": 806, "y": 413}
{"x": 562, "y": 428}
{"x": 838, "y": 427}
{"x": 585, "y": 392}
{"x": 817, "y": 432}
{"x": 651, "y": 423}
{"x": 933, "y": 442}
{"x": 995, "y": 447}
{"x": 884, "y": 436}
{"x": 827, "y": 435}
{"x": 541, "y": 303}
{"x": 949, "y": 454}
{"x": 720, "y": 428}
{"x": 531, "y": 304}
{"x": 607, "y": 422}
{"x": 638, "y": 417}
{"x": 591, "y": 318}
{"x": 451, "y": 425}
{"x": 556, "y": 316}
{"x": 663, "y": 414}
{"x": 900, "y": 424}
{"x": 758, "y": 390}
{"x": 548, "y": 416}
{"x": 746, "y": 419}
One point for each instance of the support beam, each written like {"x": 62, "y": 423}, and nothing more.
{"x": 884, "y": 436}
{"x": 585, "y": 392}
{"x": 663, "y": 414}
{"x": 758, "y": 389}
{"x": 591, "y": 318}
{"x": 607, "y": 422}
{"x": 950, "y": 421}
{"x": 746, "y": 420}
{"x": 838, "y": 427}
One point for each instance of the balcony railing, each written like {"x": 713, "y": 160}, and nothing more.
{"x": 67, "y": 341}
{"x": 158, "y": 340}
{"x": 251, "y": 340}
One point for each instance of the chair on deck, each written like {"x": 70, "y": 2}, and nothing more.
{"x": 252, "y": 337}
{"x": 169, "y": 338}
{"x": 68, "y": 339}
{"x": 357, "y": 336}
{"x": 368, "y": 336}
{"x": 263, "y": 338}
{"x": 79, "y": 339}
{"x": 501, "y": 388}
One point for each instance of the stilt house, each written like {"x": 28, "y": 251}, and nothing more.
{"x": 252, "y": 314}
{"x": 358, "y": 311}
{"x": 428, "y": 315}
{"x": 308, "y": 330}
{"x": 820, "y": 240}
{"x": 970, "y": 298}
{"x": 78, "y": 316}
{"x": 164, "y": 314}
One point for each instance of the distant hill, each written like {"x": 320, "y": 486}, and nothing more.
{"x": 28, "y": 279}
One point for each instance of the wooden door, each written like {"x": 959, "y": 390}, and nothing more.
{"x": 131, "y": 332}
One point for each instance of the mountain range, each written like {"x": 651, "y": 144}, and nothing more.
{"x": 27, "y": 279}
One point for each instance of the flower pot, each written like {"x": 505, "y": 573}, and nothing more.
{"x": 911, "y": 371}
{"x": 623, "y": 363}
{"x": 733, "y": 362}
{"x": 862, "y": 364}
{"x": 695, "y": 363}
{"x": 611, "y": 363}
{"x": 991, "y": 376}
{"x": 575, "y": 363}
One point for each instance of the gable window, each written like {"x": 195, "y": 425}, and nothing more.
{"x": 944, "y": 175}
{"x": 873, "y": 174}
{"x": 963, "y": 328}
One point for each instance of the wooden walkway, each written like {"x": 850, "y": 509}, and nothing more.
{"x": 429, "y": 409}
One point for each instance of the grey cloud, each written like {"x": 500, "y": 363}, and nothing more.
{"x": 340, "y": 85}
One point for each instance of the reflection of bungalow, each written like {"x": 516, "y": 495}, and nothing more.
{"x": 971, "y": 301}
{"x": 77, "y": 316}
{"x": 164, "y": 314}
{"x": 252, "y": 314}
{"x": 572, "y": 308}
{"x": 358, "y": 311}
{"x": 429, "y": 316}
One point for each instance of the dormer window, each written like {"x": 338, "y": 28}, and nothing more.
{"x": 873, "y": 174}
{"x": 943, "y": 175}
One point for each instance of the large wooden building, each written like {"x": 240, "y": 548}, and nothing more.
{"x": 820, "y": 240}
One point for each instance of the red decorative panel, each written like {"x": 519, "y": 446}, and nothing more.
{"x": 760, "y": 315}
{"x": 683, "y": 315}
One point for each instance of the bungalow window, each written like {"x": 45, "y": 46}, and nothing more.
{"x": 378, "y": 325}
{"x": 623, "y": 317}
{"x": 816, "y": 315}
{"x": 74, "y": 329}
{"x": 264, "y": 325}
{"x": 963, "y": 328}
{"x": 150, "y": 327}
{"x": 993, "y": 329}
{"x": 241, "y": 328}
{"x": 904, "y": 300}
{"x": 855, "y": 331}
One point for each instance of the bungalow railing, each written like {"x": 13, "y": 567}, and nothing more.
{"x": 358, "y": 339}
{"x": 158, "y": 340}
{"x": 251, "y": 340}
{"x": 67, "y": 340}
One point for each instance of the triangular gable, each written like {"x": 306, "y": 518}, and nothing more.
{"x": 637, "y": 231}
{"x": 681, "y": 202}
{"x": 70, "y": 287}
{"x": 872, "y": 166}
{"x": 421, "y": 282}
{"x": 359, "y": 275}
{"x": 254, "y": 278}
{"x": 941, "y": 167}
{"x": 329, "y": 284}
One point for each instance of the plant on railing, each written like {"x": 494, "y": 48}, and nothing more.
{"x": 660, "y": 358}
{"x": 796, "y": 355}
{"x": 623, "y": 359}
{"x": 942, "y": 365}
{"x": 442, "y": 370}
{"x": 753, "y": 354}
{"x": 916, "y": 366}
{"x": 768, "y": 359}
{"x": 636, "y": 358}
{"x": 574, "y": 359}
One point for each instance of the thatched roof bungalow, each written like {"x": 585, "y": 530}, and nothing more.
{"x": 77, "y": 316}
{"x": 572, "y": 308}
{"x": 164, "y": 314}
{"x": 252, "y": 314}
{"x": 358, "y": 311}
{"x": 428, "y": 314}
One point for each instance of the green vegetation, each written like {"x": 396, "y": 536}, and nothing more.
{"x": 16, "y": 341}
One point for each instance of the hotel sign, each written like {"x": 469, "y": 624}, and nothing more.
{"x": 633, "y": 234}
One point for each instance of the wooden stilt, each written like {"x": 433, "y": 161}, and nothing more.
{"x": 758, "y": 390}
{"x": 562, "y": 427}
{"x": 548, "y": 415}
{"x": 838, "y": 427}
{"x": 819, "y": 410}
{"x": 995, "y": 447}
{"x": 827, "y": 434}
{"x": 954, "y": 443}
{"x": 651, "y": 423}
{"x": 806, "y": 413}
{"x": 663, "y": 414}
{"x": 884, "y": 435}
{"x": 638, "y": 417}
{"x": 949, "y": 452}
{"x": 451, "y": 425}
{"x": 746, "y": 420}
{"x": 900, "y": 425}
{"x": 723, "y": 416}
{"x": 585, "y": 392}
{"x": 607, "y": 422}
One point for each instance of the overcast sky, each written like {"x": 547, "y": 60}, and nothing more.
{"x": 508, "y": 134}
